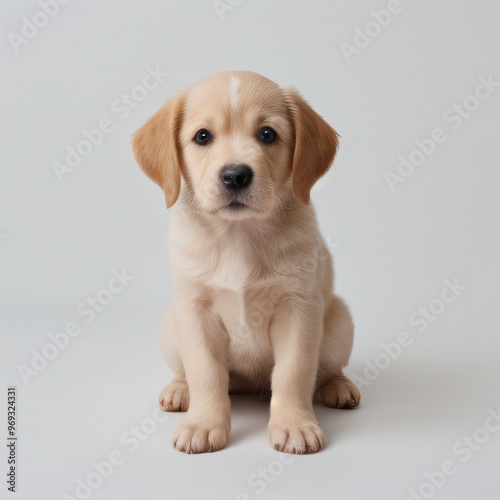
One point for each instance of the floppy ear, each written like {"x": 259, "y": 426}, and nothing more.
{"x": 315, "y": 147}
{"x": 156, "y": 148}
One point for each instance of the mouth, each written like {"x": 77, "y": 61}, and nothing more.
{"x": 235, "y": 205}
{"x": 236, "y": 210}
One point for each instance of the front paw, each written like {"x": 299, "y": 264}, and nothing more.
{"x": 298, "y": 438}
{"x": 195, "y": 435}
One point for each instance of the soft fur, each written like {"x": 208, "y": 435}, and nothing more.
{"x": 253, "y": 308}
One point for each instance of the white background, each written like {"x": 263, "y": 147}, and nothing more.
{"x": 60, "y": 242}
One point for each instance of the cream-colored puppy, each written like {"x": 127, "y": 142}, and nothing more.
{"x": 253, "y": 309}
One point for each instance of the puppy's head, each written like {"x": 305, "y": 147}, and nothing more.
{"x": 240, "y": 142}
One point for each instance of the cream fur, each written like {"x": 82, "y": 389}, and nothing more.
{"x": 253, "y": 308}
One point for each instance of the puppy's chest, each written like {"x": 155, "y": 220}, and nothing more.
{"x": 247, "y": 314}
{"x": 230, "y": 271}
{"x": 245, "y": 286}
{"x": 235, "y": 266}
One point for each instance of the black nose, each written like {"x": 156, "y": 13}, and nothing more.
{"x": 236, "y": 176}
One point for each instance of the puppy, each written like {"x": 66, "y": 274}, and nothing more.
{"x": 253, "y": 309}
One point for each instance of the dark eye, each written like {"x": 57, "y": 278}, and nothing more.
{"x": 267, "y": 135}
{"x": 203, "y": 137}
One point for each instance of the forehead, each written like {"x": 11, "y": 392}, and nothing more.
{"x": 235, "y": 100}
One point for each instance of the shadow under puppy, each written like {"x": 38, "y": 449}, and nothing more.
{"x": 253, "y": 309}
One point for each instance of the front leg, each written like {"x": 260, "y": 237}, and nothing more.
{"x": 202, "y": 342}
{"x": 295, "y": 336}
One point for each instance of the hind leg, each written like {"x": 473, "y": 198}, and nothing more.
{"x": 174, "y": 396}
{"x": 338, "y": 392}
{"x": 333, "y": 388}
